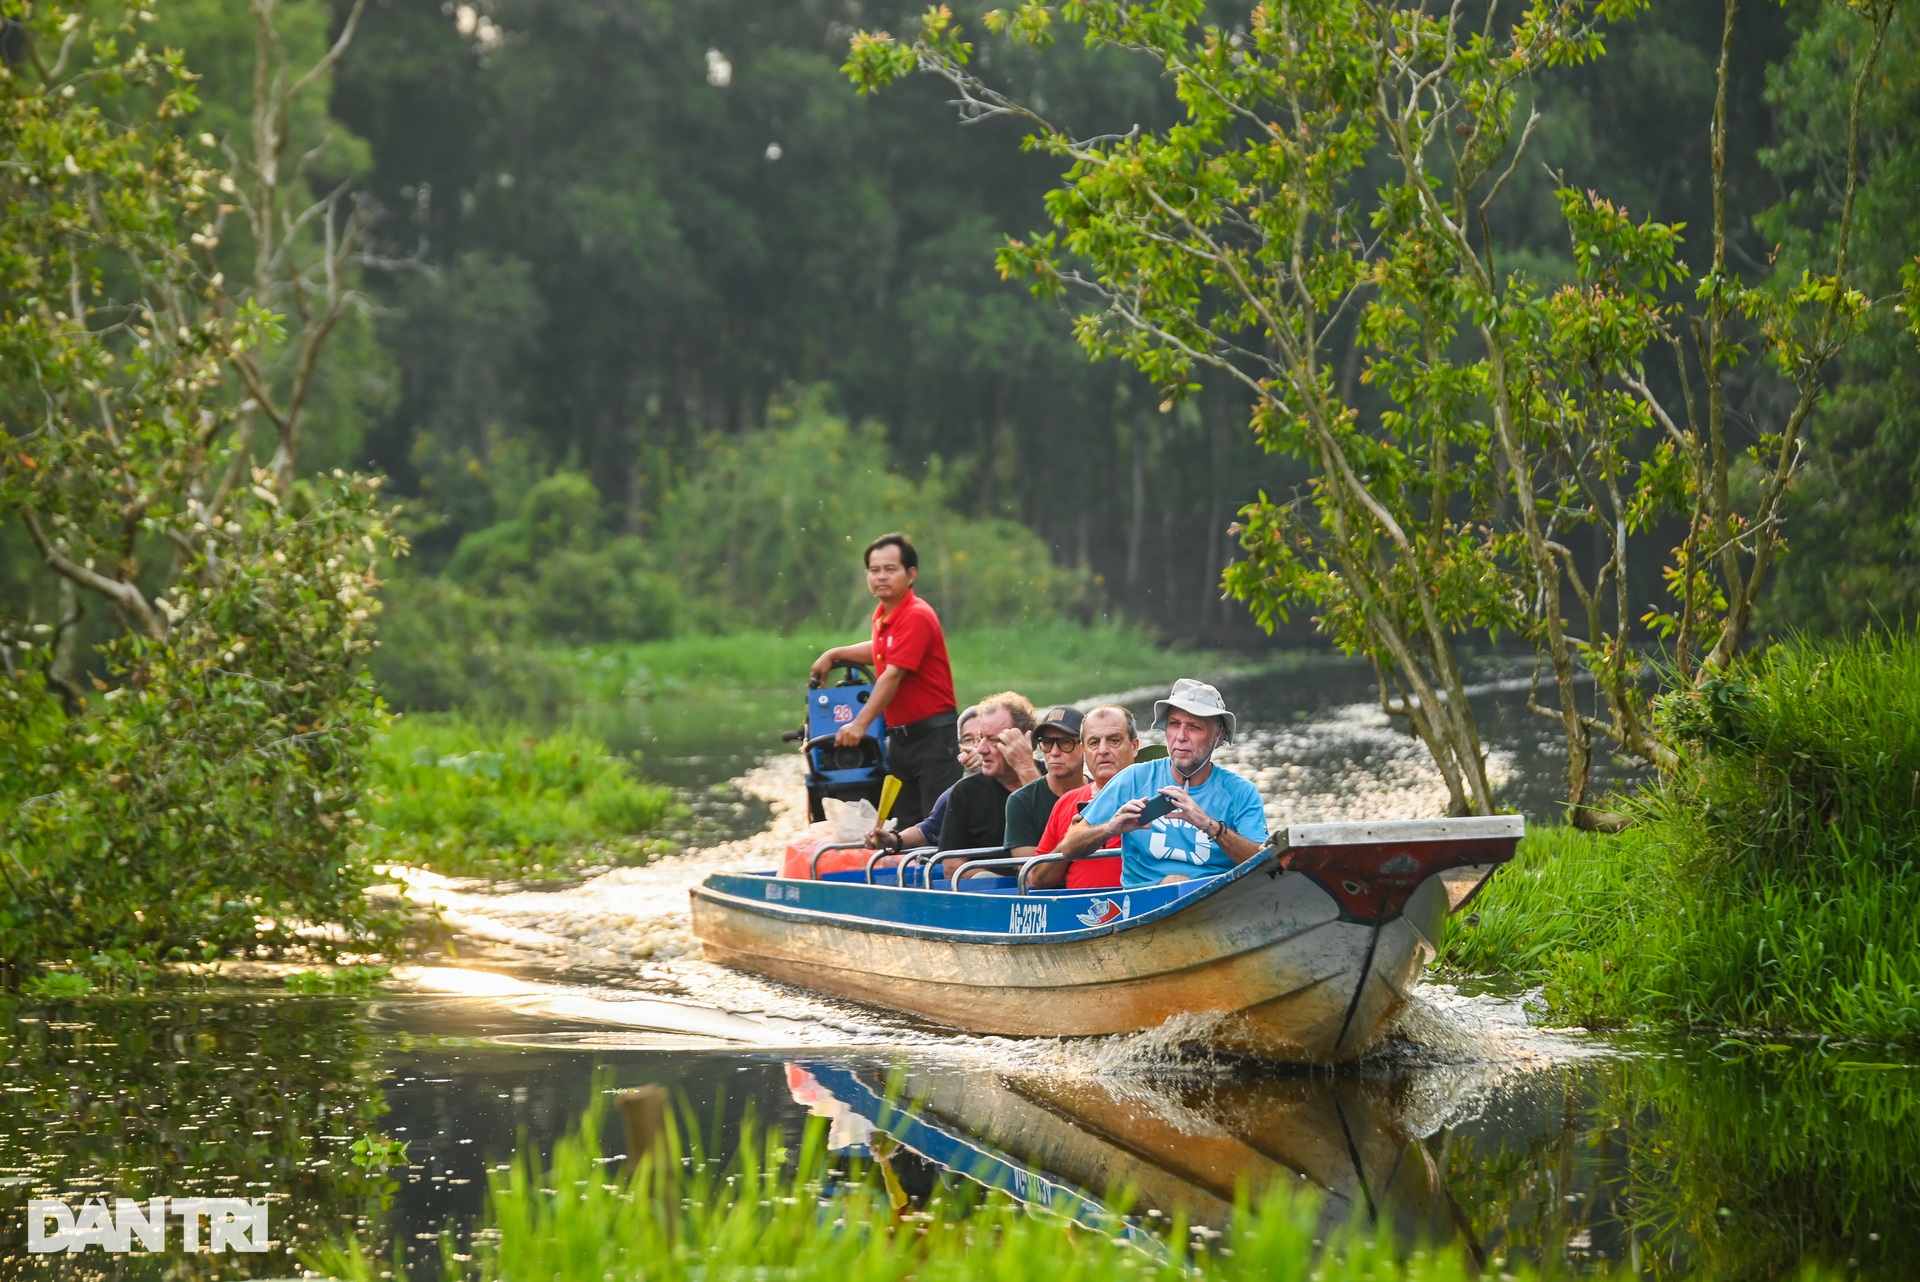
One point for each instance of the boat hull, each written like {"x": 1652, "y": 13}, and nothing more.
{"x": 1267, "y": 964}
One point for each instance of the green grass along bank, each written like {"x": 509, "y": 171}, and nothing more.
{"x": 482, "y": 794}
{"x": 1768, "y": 886}
{"x": 1046, "y": 660}
{"x": 499, "y": 800}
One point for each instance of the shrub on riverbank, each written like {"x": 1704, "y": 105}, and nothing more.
{"x": 1769, "y": 882}
{"x": 762, "y": 1215}
{"x": 206, "y": 800}
{"x": 450, "y": 795}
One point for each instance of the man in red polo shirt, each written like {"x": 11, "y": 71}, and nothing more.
{"x": 1111, "y": 742}
{"x": 913, "y": 683}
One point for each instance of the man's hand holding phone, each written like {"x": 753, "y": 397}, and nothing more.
{"x": 1140, "y": 813}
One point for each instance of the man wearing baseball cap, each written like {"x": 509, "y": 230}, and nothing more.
{"x": 1214, "y": 820}
{"x": 1056, "y": 741}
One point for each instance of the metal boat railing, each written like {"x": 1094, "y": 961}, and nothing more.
{"x": 1026, "y": 870}
{"x": 813, "y": 860}
{"x": 1000, "y": 859}
{"x": 908, "y": 859}
{"x": 923, "y": 858}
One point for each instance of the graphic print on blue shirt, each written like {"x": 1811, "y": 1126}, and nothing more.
{"x": 1172, "y": 846}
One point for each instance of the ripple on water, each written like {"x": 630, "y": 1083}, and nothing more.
{"x": 616, "y": 953}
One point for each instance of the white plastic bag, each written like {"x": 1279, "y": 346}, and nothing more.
{"x": 850, "y": 820}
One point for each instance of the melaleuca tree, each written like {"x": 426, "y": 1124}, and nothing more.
{"x": 1331, "y": 190}
{"x": 200, "y": 795}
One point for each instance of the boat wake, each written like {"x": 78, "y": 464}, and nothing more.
{"x": 612, "y": 961}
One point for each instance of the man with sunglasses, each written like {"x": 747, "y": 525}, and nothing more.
{"x": 1056, "y": 741}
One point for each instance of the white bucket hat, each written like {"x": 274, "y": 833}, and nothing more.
{"x": 1197, "y": 697}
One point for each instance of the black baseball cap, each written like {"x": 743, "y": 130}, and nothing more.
{"x": 1062, "y": 718}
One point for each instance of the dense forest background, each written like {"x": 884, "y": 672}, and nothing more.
{"x": 659, "y": 318}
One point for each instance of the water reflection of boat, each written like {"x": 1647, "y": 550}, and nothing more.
{"x": 1071, "y": 1143}
{"x": 1303, "y": 953}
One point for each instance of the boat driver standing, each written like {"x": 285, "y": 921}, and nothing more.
{"x": 1212, "y": 818}
{"x": 913, "y": 682}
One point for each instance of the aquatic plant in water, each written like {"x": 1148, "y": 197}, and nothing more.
{"x": 676, "y": 1214}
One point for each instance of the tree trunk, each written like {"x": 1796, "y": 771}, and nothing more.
{"x": 63, "y": 669}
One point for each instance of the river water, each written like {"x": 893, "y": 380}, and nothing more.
{"x": 1664, "y": 1156}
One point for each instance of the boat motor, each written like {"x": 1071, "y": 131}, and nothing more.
{"x": 849, "y": 773}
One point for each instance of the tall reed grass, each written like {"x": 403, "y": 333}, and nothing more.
{"x": 1772, "y": 882}
{"x": 801, "y": 1217}
{"x": 499, "y": 800}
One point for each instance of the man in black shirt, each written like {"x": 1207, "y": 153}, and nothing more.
{"x": 1056, "y": 741}
{"x": 977, "y": 809}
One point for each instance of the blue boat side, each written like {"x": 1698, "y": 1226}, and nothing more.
{"x": 990, "y": 910}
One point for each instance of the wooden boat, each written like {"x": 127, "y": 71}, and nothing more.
{"x": 1304, "y": 953}
{"x": 1073, "y": 1145}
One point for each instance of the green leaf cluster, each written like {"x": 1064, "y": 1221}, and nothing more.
{"x": 208, "y": 799}
{"x": 195, "y": 792}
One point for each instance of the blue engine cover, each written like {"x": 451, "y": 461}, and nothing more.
{"x": 829, "y": 708}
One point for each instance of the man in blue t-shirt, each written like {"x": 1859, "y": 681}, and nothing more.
{"x": 1217, "y": 819}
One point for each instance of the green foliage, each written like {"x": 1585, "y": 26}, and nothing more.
{"x": 1048, "y": 659}
{"x": 672, "y": 1215}
{"x": 765, "y": 532}
{"x": 442, "y": 647}
{"x": 451, "y": 795}
{"x": 474, "y": 637}
{"x": 200, "y": 799}
{"x": 1855, "y": 511}
{"x": 1566, "y": 891}
{"x": 1768, "y": 883}
{"x": 111, "y": 421}
{"x": 553, "y": 564}
{"x": 342, "y": 981}
{"x": 1328, "y": 196}
{"x": 58, "y": 985}
{"x": 375, "y": 1153}
{"x": 207, "y": 800}
{"x": 768, "y": 528}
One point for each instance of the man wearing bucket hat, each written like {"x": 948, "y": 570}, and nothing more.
{"x": 1213, "y": 818}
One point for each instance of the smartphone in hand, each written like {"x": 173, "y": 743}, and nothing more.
{"x": 1155, "y": 808}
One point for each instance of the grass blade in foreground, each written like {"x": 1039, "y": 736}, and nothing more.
{"x": 808, "y": 1218}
